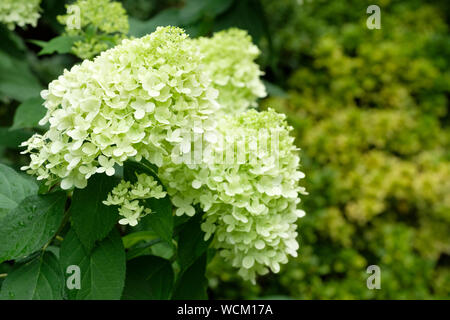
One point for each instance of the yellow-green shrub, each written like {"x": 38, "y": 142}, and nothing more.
{"x": 370, "y": 108}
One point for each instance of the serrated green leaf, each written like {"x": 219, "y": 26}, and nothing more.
{"x": 191, "y": 243}
{"x": 161, "y": 219}
{"x": 30, "y": 225}
{"x": 91, "y": 219}
{"x": 29, "y": 113}
{"x": 39, "y": 279}
{"x": 102, "y": 270}
{"x": 192, "y": 283}
{"x": 61, "y": 44}
{"x": 148, "y": 278}
{"x": 13, "y": 189}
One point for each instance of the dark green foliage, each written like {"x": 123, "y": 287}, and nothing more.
{"x": 91, "y": 219}
{"x": 102, "y": 269}
{"x": 39, "y": 279}
{"x": 30, "y": 225}
{"x": 148, "y": 278}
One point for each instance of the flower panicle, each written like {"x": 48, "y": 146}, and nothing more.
{"x": 129, "y": 198}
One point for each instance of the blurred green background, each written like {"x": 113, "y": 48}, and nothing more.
{"x": 370, "y": 110}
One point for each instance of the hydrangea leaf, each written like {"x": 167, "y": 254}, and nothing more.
{"x": 191, "y": 243}
{"x": 148, "y": 278}
{"x": 29, "y": 113}
{"x": 102, "y": 270}
{"x": 91, "y": 219}
{"x": 30, "y": 225}
{"x": 16, "y": 79}
{"x": 61, "y": 44}
{"x": 192, "y": 283}
{"x": 13, "y": 188}
{"x": 39, "y": 279}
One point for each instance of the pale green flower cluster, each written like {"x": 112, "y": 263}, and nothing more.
{"x": 19, "y": 12}
{"x": 129, "y": 198}
{"x": 101, "y": 24}
{"x": 230, "y": 58}
{"x": 154, "y": 98}
{"x": 250, "y": 202}
{"x": 136, "y": 100}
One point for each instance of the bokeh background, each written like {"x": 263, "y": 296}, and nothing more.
{"x": 370, "y": 111}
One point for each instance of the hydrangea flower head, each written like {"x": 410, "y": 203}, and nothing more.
{"x": 19, "y": 12}
{"x": 250, "y": 200}
{"x": 133, "y": 100}
{"x": 102, "y": 25}
{"x": 155, "y": 98}
{"x": 230, "y": 58}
